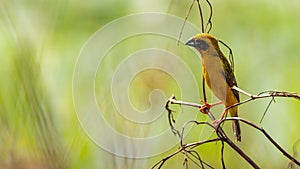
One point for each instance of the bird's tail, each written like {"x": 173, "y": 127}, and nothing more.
{"x": 235, "y": 124}
{"x": 236, "y": 130}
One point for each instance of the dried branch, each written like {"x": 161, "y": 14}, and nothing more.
{"x": 265, "y": 94}
{"x": 192, "y": 155}
{"x": 268, "y": 106}
{"x": 183, "y": 148}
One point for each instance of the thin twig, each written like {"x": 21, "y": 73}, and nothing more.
{"x": 265, "y": 112}
{"x": 195, "y": 122}
{"x": 222, "y": 154}
{"x": 231, "y": 59}
{"x": 261, "y": 95}
{"x": 201, "y": 17}
{"x": 203, "y": 89}
{"x": 185, "y": 19}
{"x": 170, "y": 116}
{"x": 174, "y": 101}
{"x": 241, "y": 91}
{"x": 194, "y": 154}
{"x": 209, "y": 22}
{"x": 161, "y": 162}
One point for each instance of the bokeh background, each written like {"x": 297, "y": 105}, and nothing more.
{"x": 40, "y": 42}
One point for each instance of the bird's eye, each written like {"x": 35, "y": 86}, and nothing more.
{"x": 201, "y": 44}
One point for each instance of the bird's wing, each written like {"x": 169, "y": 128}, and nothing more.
{"x": 229, "y": 76}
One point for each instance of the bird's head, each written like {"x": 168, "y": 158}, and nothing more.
{"x": 203, "y": 42}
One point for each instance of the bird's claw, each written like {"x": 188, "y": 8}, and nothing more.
{"x": 204, "y": 107}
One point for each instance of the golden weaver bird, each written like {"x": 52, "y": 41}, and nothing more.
{"x": 218, "y": 74}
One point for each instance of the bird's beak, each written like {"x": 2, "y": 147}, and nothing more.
{"x": 190, "y": 42}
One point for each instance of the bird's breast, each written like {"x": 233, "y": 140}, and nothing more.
{"x": 214, "y": 75}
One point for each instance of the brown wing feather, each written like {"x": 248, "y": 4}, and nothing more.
{"x": 229, "y": 76}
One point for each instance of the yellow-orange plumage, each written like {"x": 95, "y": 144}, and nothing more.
{"x": 218, "y": 74}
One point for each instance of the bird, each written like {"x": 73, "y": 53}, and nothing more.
{"x": 218, "y": 74}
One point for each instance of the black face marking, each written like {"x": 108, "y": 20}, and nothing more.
{"x": 200, "y": 44}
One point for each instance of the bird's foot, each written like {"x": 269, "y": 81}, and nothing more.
{"x": 206, "y": 106}
{"x": 218, "y": 121}
{"x": 224, "y": 114}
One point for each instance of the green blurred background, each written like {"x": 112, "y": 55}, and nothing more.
{"x": 41, "y": 40}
